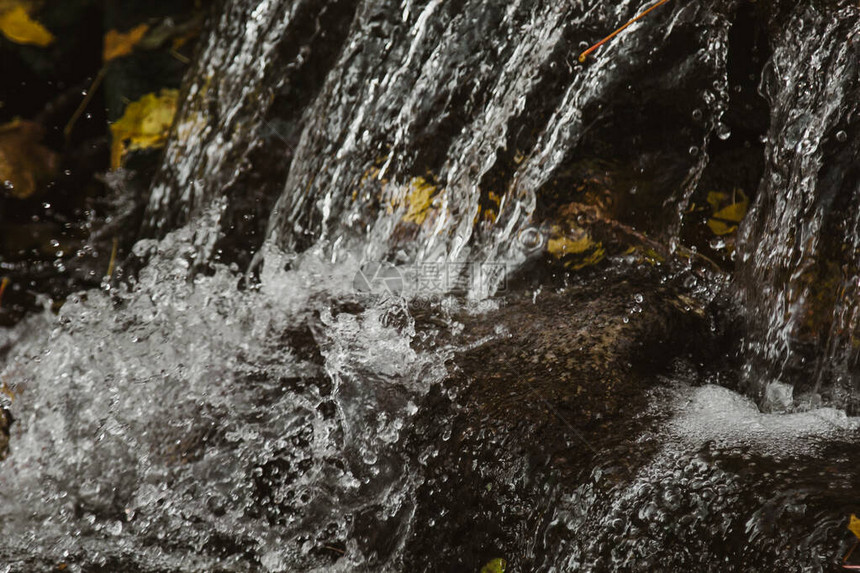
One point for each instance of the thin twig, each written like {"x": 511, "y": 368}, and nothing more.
{"x": 584, "y": 55}
{"x": 112, "y": 259}
{"x": 67, "y": 132}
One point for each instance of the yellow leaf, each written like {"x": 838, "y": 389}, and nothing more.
{"x": 118, "y": 44}
{"x": 717, "y": 198}
{"x": 854, "y": 526}
{"x": 726, "y": 219}
{"x": 560, "y": 246}
{"x": 17, "y": 25}
{"x": 497, "y": 565}
{"x": 579, "y": 252}
{"x": 144, "y": 125}
{"x": 419, "y": 200}
{"x": 734, "y": 213}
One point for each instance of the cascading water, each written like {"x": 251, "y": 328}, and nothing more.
{"x": 799, "y": 270}
{"x": 218, "y": 413}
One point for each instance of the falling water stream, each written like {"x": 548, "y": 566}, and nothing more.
{"x": 253, "y": 395}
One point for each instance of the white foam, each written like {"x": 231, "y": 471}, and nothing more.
{"x": 716, "y": 413}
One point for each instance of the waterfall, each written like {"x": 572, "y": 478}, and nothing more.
{"x": 799, "y": 268}
{"x": 263, "y": 392}
{"x": 483, "y": 107}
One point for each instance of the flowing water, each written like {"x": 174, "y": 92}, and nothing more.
{"x": 279, "y": 387}
{"x": 800, "y": 268}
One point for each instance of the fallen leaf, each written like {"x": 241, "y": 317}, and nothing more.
{"x": 497, "y": 565}
{"x": 419, "y": 200}
{"x": 118, "y": 44}
{"x": 854, "y": 525}
{"x": 25, "y": 164}
{"x": 725, "y": 219}
{"x": 17, "y": 25}
{"x": 576, "y": 247}
{"x": 144, "y": 125}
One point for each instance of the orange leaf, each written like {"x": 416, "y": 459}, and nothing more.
{"x": 3, "y": 284}
{"x": 119, "y": 44}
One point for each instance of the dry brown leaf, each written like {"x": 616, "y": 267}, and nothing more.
{"x": 25, "y": 164}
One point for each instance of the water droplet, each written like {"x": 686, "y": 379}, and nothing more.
{"x": 717, "y": 243}
{"x": 697, "y": 114}
{"x": 694, "y": 150}
{"x": 841, "y": 136}
{"x": 638, "y": 297}
{"x": 723, "y": 131}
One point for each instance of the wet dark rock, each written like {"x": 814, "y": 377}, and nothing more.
{"x": 554, "y": 388}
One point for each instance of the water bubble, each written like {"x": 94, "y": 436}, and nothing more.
{"x": 114, "y": 528}
{"x": 723, "y": 131}
{"x": 638, "y": 297}
{"x": 841, "y": 136}
{"x": 693, "y": 150}
{"x": 697, "y": 114}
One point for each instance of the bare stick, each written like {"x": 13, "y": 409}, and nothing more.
{"x": 584, "y": 55}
